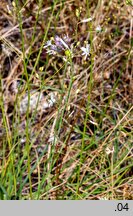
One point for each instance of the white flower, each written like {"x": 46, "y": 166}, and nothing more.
{"x": 48, "y": 43}
{"x": 98, "y": 28}
{"x": 86, "y": 50}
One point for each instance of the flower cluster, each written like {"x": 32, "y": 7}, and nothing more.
{"x": 57, "y": 45}
{"x": 64, "y": 47}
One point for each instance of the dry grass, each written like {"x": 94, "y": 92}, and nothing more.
{"x": 66, "y": 127}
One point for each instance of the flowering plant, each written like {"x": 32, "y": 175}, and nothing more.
{"x": 64, "y": 47}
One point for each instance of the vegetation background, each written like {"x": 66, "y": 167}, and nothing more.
{"x": 66, "y": 119}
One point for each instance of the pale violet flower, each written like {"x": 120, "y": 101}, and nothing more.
{"x": 98, "y": 28}
{"x": 86, "y": 50}
{"x": 60, "y": 42}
